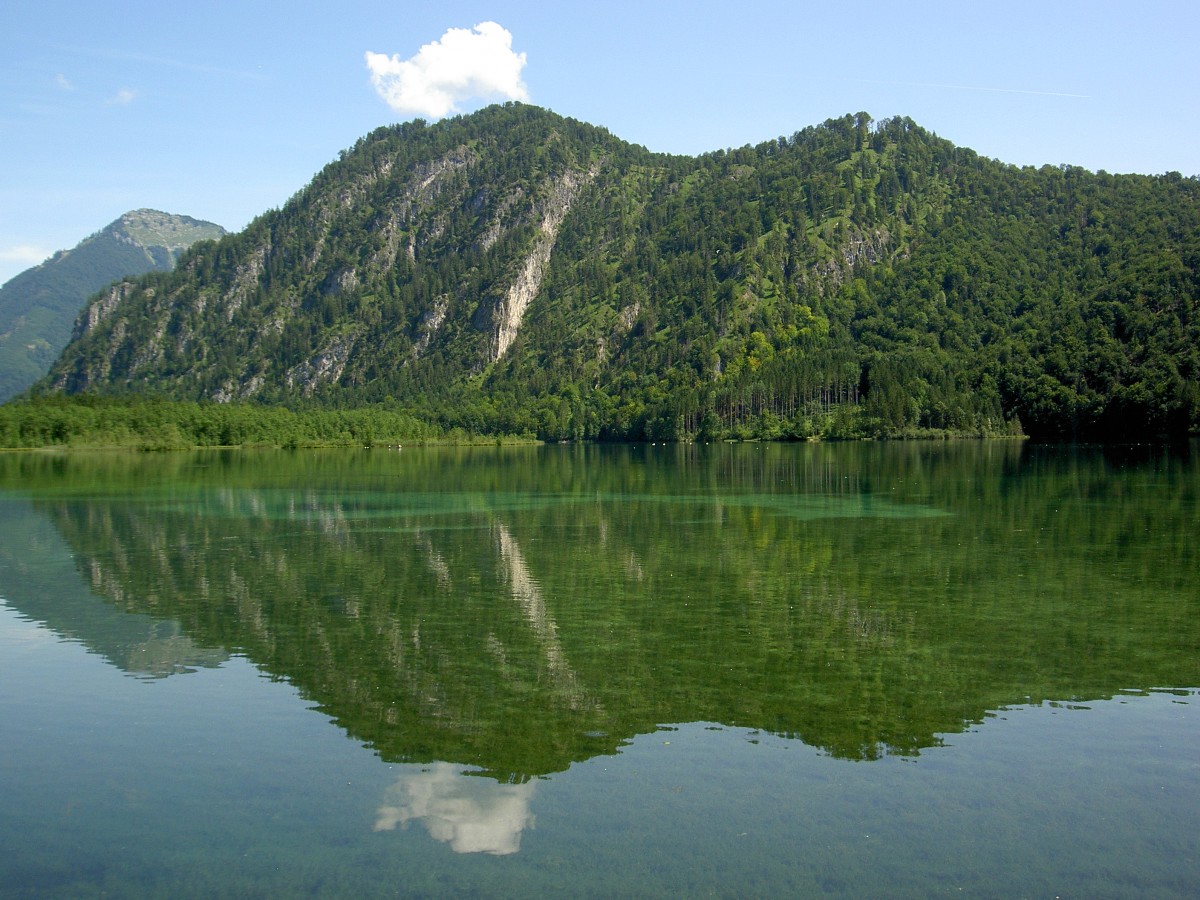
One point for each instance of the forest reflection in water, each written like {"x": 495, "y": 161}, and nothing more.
{"x": 485, "y": 618}
{"x": 497, "y": 608}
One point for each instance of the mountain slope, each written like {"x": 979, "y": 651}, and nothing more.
{"x": 39, "y": 306}
{"x": 516, "y": 270}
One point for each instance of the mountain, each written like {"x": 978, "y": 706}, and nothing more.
{"x": 520, "y": 271}
{"x": 39, "y": 306}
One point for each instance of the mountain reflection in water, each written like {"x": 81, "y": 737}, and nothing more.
{"x": 517, "y": 611}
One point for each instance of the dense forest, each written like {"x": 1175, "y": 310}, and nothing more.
{"x": 515, "y": 271}
{"x": 132, "y": 422}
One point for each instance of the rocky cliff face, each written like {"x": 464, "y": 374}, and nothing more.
{"x": 510, "y": 311}
{"x": 303, "y": 302}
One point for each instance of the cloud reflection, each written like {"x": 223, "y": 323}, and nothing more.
{"x": 472, "y": 815}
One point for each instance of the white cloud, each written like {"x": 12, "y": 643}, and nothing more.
{"x": 123, "y": 97}
{"x": 64, "y": 83}
{"x": 463, "y": 64}
{"x": 24, "y": 253}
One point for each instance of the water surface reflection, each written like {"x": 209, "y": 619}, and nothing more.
{"x": 471, "y": 814}
{"x": 517, "y": 611}
{"x": 896, "y": 670}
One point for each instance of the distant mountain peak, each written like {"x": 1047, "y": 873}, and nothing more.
{"x": 38, "y": 306}
{"x": 152, "y": 228}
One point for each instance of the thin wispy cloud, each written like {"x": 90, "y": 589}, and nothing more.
{"x": 63, "y": 82}
{"x": 464, "y": 64}
{"x": 26, "y": 254}
{"x": 190, "y": 66}
{"x": 123, "y": 97}
{"x": 972, "y": 87}
{"x": 167, "y": 62}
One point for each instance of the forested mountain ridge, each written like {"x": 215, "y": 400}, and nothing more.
{"x": 39, "y": 305}
{"x": 518, "y": 271}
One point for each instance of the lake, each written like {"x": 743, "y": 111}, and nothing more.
{"x": 859, "y": 670}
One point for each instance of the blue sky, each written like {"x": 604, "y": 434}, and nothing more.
{"x": 222, "y": 110}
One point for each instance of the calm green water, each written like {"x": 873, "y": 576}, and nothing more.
{"x": 849, "y": 670}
